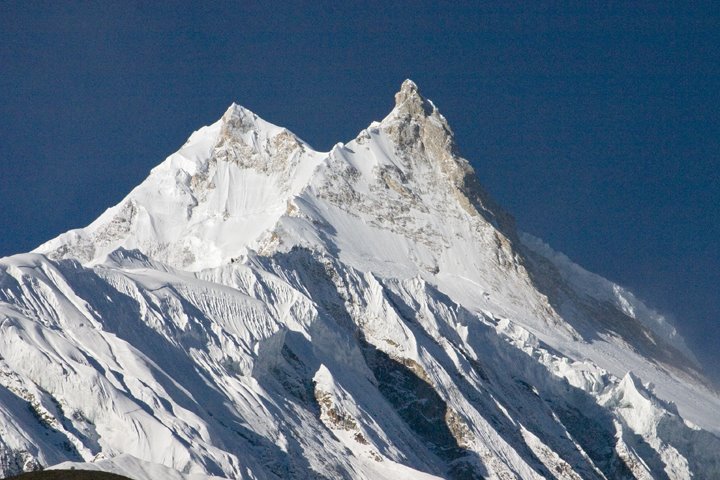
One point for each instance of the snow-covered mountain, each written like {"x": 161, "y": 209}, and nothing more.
{"x": 258, "y": 309}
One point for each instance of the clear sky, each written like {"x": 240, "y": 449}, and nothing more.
{"x": 597, "y": 126}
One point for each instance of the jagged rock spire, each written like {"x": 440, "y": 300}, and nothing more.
{"x": 409, "y": 101}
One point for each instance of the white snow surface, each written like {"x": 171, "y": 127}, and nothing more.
{"x": 258, "y": 309}
{"x": 205, "y": 204}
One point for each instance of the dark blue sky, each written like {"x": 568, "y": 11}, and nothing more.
{"x": 596, "y": 125}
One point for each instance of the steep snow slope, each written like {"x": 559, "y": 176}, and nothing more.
{"x": 205, "y": 204}
{"x": 256, "y": 309}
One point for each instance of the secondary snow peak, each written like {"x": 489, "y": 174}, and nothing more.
{"x": 238, "y": 120}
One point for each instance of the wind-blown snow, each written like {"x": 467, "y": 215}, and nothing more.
{"x": 257, "y": 309}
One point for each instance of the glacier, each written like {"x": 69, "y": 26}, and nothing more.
{"x": 259, "y": 309}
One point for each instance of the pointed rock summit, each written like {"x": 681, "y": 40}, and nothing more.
{"x": 423, "y": 134}
{"x": 416, "y": 119}
{"x": 409, "y": 101}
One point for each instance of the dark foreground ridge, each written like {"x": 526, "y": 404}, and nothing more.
{"x": 69, "y": 475}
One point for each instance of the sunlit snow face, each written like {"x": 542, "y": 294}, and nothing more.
{"x": 256, "y": 308}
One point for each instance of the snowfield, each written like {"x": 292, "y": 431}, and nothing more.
{"x": 257, "y": 309}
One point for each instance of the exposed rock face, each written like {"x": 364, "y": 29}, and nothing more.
{"x": 421, "y": 132}
{"x": 257, "y": 309}
{"x": 242, "y": 141}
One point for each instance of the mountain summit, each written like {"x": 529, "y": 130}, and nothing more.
{"x": 258, "y": 309}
